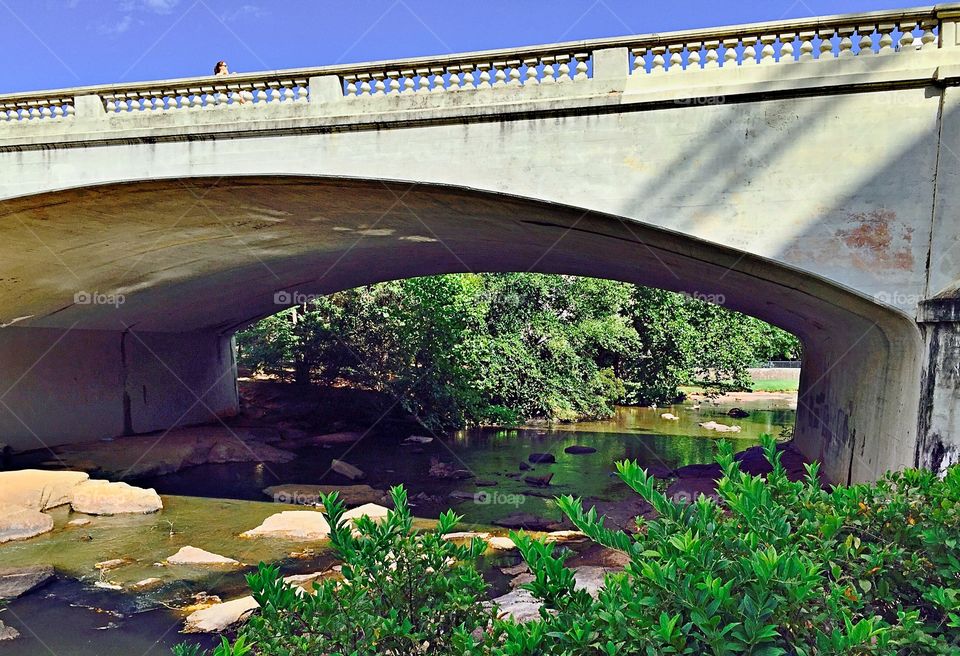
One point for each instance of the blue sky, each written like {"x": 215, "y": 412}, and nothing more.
{"x": 61, "y": 43}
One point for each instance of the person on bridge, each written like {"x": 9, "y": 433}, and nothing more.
{"x": 221, "y": 69}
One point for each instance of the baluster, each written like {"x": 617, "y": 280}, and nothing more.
{"x": 33, "y": 112}
{"x": 453, "y": 82}
{"x": 676, "y": 57}
{"x": 928, "y": 40}
{"x": 303, "y": 90}
{"x": 564, "y": 73}
{"x": 499, "y": 75}
{"x": 423, "y": 80}
{"x": 70, "y": 110}
{"x": 846, "y": 41}
{"x": 659, "y": 64}
{"x": 548, "y": 71}
{"x": 513, "y": 67}
{"x": 209, "y": 95}
{"x": 393, "y": 83}
{"x": 247, "y": 93}
{"x": 409, "y": 84}
{"x": 531, "y": 75}
{"x": 469, "y": 81}
{"x": 639, "y": 60}
{"x": 786, "y": 47}
{"x": 9, "y": 114}
{"x": 907, "y": 40}
{"x": 768, "y": 54}
{"x": 730, "y": 51}
{"x": 111, "y": 103}
{"x": 438, "y": 84}
{"x": 581, "y": 65}
{"x": 484, "y": 69}
{"x": 45, "y": 110}
{"x": 364, "y": 79}
{"x": 806, "y": 45}
{"x": 713, "y": 54}
{"x": 826, "y": 43}
{"x": 866, "y": 39}
{"x": 750, "y": 50}
{"x": 379, "y": 88}
{"x": 693, "y": 55}
{"x": 886, "y": 38}
{"x": 351, "y": 81}
{"x": 283, "y": 92}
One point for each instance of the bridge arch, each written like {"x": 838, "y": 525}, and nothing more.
{"x": 120, "y": 299}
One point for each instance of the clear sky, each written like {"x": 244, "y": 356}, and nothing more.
{"x": 61, "y": 43}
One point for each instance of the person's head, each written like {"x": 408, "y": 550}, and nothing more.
{"x": 221, "y": 67}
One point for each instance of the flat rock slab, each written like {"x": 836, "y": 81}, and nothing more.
{"x": 106, "y": 498}
{"x": 308, "y": 495}
{"x": 292, "y": 525}
{"x": 346, "y": 469}
{"x": 371, "y": 510}
{"x": 18, "y": 581}
{"x": 579, "y": 450}
{"x": 21, "y": 523}
{"x": 343, "y": 437}
{"x": 528, "y": 522}
{"x": 8, "y": 633}
{"x": 39, "y": 489}
{"x": 193, "y": 556}
{"x": 541, "y": 458}
{"x": 171, "y": 452}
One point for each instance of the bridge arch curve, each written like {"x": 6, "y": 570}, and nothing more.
{"x": 120, "y": 299}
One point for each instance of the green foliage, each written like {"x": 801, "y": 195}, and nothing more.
{"x": 401, "y": 592}
{"x": 502, "y": 348}
{"x": 779, "y": 568}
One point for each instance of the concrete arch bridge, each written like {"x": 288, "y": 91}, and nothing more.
{"x": 805, "y": 170}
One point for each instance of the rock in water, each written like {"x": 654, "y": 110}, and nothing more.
{"x": 538, "y": 481}
{"x": 346, "y": 469}
{"x": 578, "y": 450}
{"x": 720, "y": 428}
{"x": 308, "y": 495}
{"x": 193, "y": 556}
{"x": 39, "y": 489}
{"x": 544, "y": 458}
{"x": 20, "y": 523}
{"x": 371, "y": 510}
{"x": 738, "y": 413}
{"x": 106, "y": 498}
{"x": 8, "y": 633}
{"x": 18, "y": 581}
{"x": 292, "y": 525}
{"x": 220, "y": 617}
{"x": 417, "y": 439}
{"x": 669, "y": 416}
{"x": 346, "y": 437}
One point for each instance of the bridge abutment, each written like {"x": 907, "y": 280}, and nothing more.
{"x": 938, "y": 443}
{"x": 61, "y": 386}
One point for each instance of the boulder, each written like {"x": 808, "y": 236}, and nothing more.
{"x": 8, "y": 633}
{"x": 346, "y": 469}
{"x": 371, "y": 510}
{"x": 193, "y": 556}
{"x": 738, "y": 413}
{"x": 308, "y": 495}
{"x": 527, "y": 522}
{"x": 20, "y": 523}
{"x": 111, "y": 564}
{"x": 220, "y": 617}
{"x": 501, "y": 543}
{"x": 579, "y": 450}
{"x": 525, "y": 467}
{"x": 107, "y": 498}
{"x": 417, "y": 439}
{"x": 145, "y": 584}
{"x": 669, "y": 416}
{"x": 39, "y": 489}
{"x": 344, "y": 437}
{"x": 80, "y": 521}
{"x": 520, "y": 605}
{"x": 544, "y": 458}
{"x": 18, "y": 581}
{"x": 720, "y": 428}
{"x": 538, "y": 481}
{"x": 292, "y": 525}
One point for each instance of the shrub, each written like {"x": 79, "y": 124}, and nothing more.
{"x": 779, "y": 567}
{"x": 402, "y": 593}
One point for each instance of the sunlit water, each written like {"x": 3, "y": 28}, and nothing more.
{"x": 202, "y": 508}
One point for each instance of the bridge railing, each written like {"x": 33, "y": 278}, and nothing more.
{"x": 822, "y": 39}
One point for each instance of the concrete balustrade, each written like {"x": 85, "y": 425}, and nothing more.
{"x": 782, "y": 42}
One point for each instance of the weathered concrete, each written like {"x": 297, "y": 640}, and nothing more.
{"x": 815, "y": 195}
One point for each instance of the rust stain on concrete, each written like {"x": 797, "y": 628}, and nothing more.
{"x": 871, "y": 241}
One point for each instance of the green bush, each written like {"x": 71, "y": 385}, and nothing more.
{"x": 402, "y": 592}
{"x": 778, "y": 567}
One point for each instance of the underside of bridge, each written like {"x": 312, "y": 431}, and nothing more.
{"x": 120, "y": 301}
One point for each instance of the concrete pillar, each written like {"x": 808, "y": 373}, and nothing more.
{"x": 61, "y": 386}
{"x": 938, "y": 445}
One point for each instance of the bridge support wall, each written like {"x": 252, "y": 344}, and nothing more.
{"x": 59, "y": 385}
